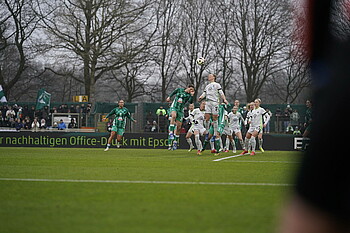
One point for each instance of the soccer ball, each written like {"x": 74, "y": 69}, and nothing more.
{"x": 200, "y": 61}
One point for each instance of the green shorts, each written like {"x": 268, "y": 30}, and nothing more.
{"x": 119, "y": 131}
{"x": 179, "y": 114}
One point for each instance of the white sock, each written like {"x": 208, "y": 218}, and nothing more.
{"x": 212, "y": 145}
{"x": 198, "y": 142}
{"x": 221, "y": 146}
{"x": 227, "y": 146}
{"x": 260, "y": 142}
{"x": 108, "y": 145}
{"x": 253, "y": 143}
{"x": 216, "y": 126}
{"x": 246, "y": 144}
{"x": 189, "y": 141}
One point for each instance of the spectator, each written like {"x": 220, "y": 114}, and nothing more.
{"x": 161, "y": 110}
{"x": 61, "y": 125}
{"x": 148, "y": 127}
{"x": 26, "y": 123}
{"x": 286, "y": 119}
{"x": 72, "y": 109}
{"x": 72, "y": 124}
{"x": 35, "y": 125}
{"x": 154, "y": 127}
{"x": 12, "y": 122}
{"x": 149, "y": 117}
{"x": 43, "y": 124}
{"x": 18, "y": 124}
{"x": 45, "y": 113}
{"x": 294, "y": 118}
{"x": 31, "y": 112}
{"x": 267, "y": 128}
{"x": 278, "y": 122}
{"x": 162, "y": 122}
{"x": 20, "y": 114}
{"x": 10, "y": 113}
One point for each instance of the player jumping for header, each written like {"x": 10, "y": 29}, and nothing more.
{"x": 182, "y": 96}
{"x": 212, "y": 94}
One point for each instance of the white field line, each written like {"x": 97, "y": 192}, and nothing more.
{"x": 260, "y": 161}
{"x": 229, "y": 157}
{"x": 144, "y": 182}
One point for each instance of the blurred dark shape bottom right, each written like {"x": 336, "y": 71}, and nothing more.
{"x": 320, "y": 202}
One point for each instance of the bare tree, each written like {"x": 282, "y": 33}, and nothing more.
{"x": 17, "y": 24}
{"x": 166, "y": 56}
{"x": 259, "y": 32}
{"x": 91, "y": 31}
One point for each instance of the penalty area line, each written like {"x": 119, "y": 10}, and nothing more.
{"x": 144, "y": 182}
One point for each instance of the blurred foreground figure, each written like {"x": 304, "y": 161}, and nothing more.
{"x": 321, "y": 199}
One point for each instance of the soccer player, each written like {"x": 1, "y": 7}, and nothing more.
{"x": 234, "y": 119}
{"x": 255, "y": 119}
{"x": 182, "y": 96}
{"x": 212, "y": 94}
{"x": 222, "y": 121}
{"x": 197, "y": 128}
{"x": 118, "y": 128}
{"x": 265, "y": 119}
{"x": 190, "y": 119}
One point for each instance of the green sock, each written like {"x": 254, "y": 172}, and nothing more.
{"x": 217, "y": 145}
{"x": 205, "y": 144}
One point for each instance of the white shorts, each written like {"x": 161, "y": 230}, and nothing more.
{"x": 212, "y": 108}
{"x": 236, "y": 130}
{"x": 254, "y": 128}
{"x": 199, "y": 128}
{"x": 227, "y": 131}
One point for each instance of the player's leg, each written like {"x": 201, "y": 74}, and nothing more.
{"x": 171, "y": 128}
{"x": 253, "y": 141}
{"x": 112, "y": 135}
{"x": 240, "y": 138}
{"x": 207, "y": 117}
{"x": 260, "y": 140}
{"x": 177, "y": 134}
{"x": 188, "y": 138}
{"x": 198, "y": 142}
{"x": 232, "y": 143}
{"x": 207, "y": 137}
{"x": 246, "y": 143}
{"x": 119, "y": 137}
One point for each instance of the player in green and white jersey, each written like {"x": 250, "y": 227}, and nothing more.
{"x": 182, "y": 96}
{"x": 222, "y": 122}
{"x": 119, "y": 122}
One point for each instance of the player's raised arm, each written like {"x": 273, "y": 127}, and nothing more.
{"x": 222, "y": 94}
{"x": 172, "y": 94}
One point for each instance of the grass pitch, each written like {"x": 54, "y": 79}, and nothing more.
{"x": 139, "y": 190}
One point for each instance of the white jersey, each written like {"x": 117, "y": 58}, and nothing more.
{"x": 235, "y": 119}
{"x": 197, "y": 117}
{"x": 212, "y": 92}
{"x": 258, "y": 117}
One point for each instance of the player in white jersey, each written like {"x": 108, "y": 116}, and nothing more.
{"x": 255, "y": 120}
{"x": 235, "y": 120}
{"x": 197, "y": 128}
{"x": 190, "y": 119}
{"x": 212, "y": 94}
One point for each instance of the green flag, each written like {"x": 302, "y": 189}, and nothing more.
{"x": 2, "y": 95}
{"x": 43, "y": 99}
